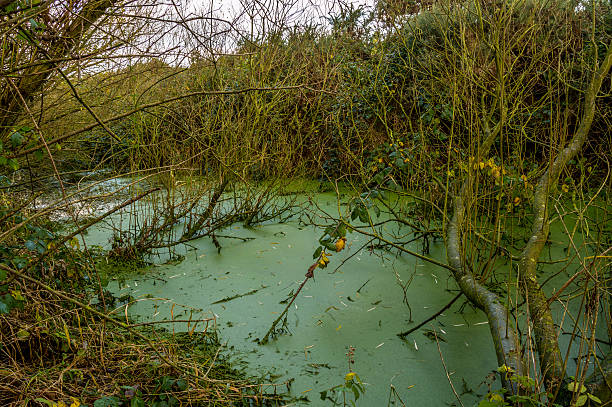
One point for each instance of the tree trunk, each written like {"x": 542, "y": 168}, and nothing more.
{"x": 552, "y": 366}
{"x": 41, "y": 62}
{"x": 505, "y": 339}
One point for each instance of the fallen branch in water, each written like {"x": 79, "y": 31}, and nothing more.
{"x": 434, "y": 316}
{"x": 233, "y": 297}
{"x": 309, "y": 275}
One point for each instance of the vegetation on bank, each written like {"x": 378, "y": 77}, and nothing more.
{"x": 492, "y": 117}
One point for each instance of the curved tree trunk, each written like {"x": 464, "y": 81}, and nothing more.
{"x": 505, "y": 339}
{"x": 545, "y": 334}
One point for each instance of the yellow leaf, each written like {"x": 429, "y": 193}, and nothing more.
{"x": 496, "y": 397}
{"x": 324, "y": 260}
{"x": 340, "y": 243}
{"x": 75, "y": 403}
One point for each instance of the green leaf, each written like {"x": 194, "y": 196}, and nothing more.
{"x": 106, "y": 402}
{"x": 573, "y": 387}
{"x": 581, "y": 400}
{"x": 594, "y": 398}
{"x": 16, "y": 139}
{"x": 13, "y": 164}
{"x": 166, "y": 383}
{"x": 38, "y": 154}
{"x": 181, "y": 384}
{"x": 317, "y": 252}
{"x": 355, "y": 392}
{"x": 137, "y": 402}
{"x": 363, "y": 215}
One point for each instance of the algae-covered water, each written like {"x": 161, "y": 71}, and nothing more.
{"x": 361, "y": 305}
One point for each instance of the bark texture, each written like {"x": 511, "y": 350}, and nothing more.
{"x": 40, "y": 63}
{"x": 544, "y": 331}
{"x": 505, "y": 339}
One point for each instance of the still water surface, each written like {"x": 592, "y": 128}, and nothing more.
{"x": 327, "y": 318}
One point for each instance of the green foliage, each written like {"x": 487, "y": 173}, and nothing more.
{"x": 132, "y": 396}
{"x": 581, "y": 394}
{"x": 28, "y": 242}
{"x": 345, "y": 394}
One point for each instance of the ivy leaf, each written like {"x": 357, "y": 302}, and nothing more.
{"x": 16, "y": 139}
{"x": 181, "y": 384}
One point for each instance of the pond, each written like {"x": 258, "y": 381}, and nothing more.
{"x": 361, "y": 305}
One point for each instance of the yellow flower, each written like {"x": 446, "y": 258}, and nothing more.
{"x": 482, "y": 165}
{"x": 524, "y": 178}
{"x": 349, "y": 376}
{"x": 380, "y": 160}
{"x": 340, "y": 243}
{"x": 495, "y": 172}
{"x": 517, "y": 201}
{"x": 564, "y": 188}
{"x": 401, "y": 144}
